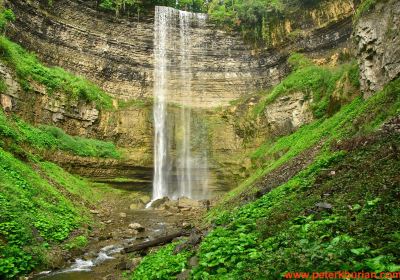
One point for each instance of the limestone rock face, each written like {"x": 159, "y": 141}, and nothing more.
{"x": 288, "y": 113}
{"x": 117, "y": 54}
{"x": 38, "y": 106}
{"x": 378, "y": 46}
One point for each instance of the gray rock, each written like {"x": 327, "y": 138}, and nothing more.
{"x": 324, "y": 205}
{"x": 136, "y": 226}
{"x": 378, "y": 46}
{"x": 159, "y": 202}
{"x": 187, "y": 203}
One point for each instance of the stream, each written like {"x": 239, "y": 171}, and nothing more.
{"x": 102, "y": 258}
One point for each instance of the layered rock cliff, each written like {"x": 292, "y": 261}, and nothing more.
{"x": 117, "y": 53}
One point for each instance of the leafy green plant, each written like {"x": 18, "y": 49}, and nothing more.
{"x": 78, "y": 242}
{"x": 163, "y": 264}
{"x": 36, "y": 212}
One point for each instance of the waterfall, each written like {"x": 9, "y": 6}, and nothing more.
{"x": 180, "y": 167}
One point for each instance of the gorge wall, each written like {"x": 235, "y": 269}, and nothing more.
{"x": 117, "y": 54}
{"x": 378, "y": 46}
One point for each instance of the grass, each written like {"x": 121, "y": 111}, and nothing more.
{"x": 37, "y": 212}
{"x": 28, "y": 68}
{"x": 18, "y": 132}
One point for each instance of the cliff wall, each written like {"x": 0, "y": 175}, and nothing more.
{"x": 378, "y": 46}
{"x": 117, "y": 54}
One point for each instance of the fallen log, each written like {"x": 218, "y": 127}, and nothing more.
{"x": 156, "y": 242}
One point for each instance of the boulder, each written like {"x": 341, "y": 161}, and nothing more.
{"x": 159, "y": 202}
{"x": 136, "y": 226}
{"x": 184, "y": 202}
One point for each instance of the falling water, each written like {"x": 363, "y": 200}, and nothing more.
{"x": 180, "y": 167}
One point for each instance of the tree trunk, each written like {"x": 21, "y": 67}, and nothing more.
{"x": 156, "y": 242}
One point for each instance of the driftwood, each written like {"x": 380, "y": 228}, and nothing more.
{"x": 156, "y": 242}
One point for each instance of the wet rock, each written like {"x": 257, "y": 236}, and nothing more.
{"x": 132, "y": 232}
{"x": 171, "y": 203}
{"x": 142, "y": 238}
{"x": 159, "y": 202}
{"x": 206, "y": 203}
{"x": 123, "y": 265}
{"x": 90, "y": 255}
{"x": 136, "y": 226}
{"x": 137, "y": 204}
{"x": 185, "y": 202}
{"x": 105, "y": 236}
{"x": 122, "y": 215}
{"x": 94, "y": 212}
{"x": 180, "y": 247}
{"x": 108, "y": 221}
{"x": 134, "y": 263}
{"x": 186, "y": 225}
{"x": 194, "y": 239}
{"x": 171, "y": 209}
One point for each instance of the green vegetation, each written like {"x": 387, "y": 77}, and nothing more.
{"x": 318, "y": 83}
{"x": 77, "y": 242}
{"x": 163, "y": 264}
{"x": 18, "y": 132}
{"x": 28, "y": 68}
{"x": 339, "y": 213}
{"x": 36, "y": 212}
{"x": 41, "y": 204}
{"x": 286, "y": 231}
